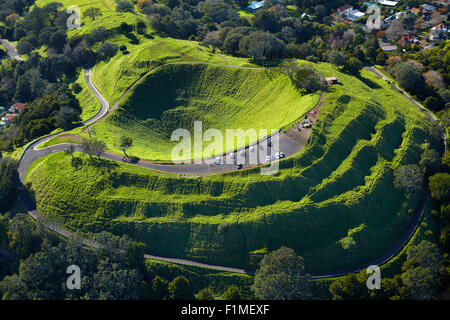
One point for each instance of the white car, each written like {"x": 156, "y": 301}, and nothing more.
{"x": 268, "y": 158}
{"x": 277, "y": 155}
{"x": 252, "y": 149}
{"x": 231, "y": 156}
{"x": 242, "y": 152}
{"x": 218, "y": 160}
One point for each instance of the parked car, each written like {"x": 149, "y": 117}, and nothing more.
{"x": 239, "y": 166}
{"x": 242, "y": 152}
{"x": 252, "y": 149}
{"x": 218, "y": 160}
{"x": 282, "y": 155}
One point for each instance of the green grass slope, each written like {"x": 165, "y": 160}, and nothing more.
{"x": 334, "y": 203}
{"x": 176, "y": 95}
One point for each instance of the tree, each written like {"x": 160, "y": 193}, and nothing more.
{"x": 282, "y": 276}
{"x": 66, "y": 117}
{"x": 420, "y": 271}
{"x": 58, "y": 40}
{"x": 408, "y": 76}
{"x": 160, "y": 288}
{"x": 440, "y": 186}
{"x": 124, "y": 6}
{"x": 125, "y": 144}
{"x": 92, "y": 13}
{"x": 232, "y": 293}
{"x": 335, "y": 57}
{"x": 9, "y": 180}
{"x": 70, "y": 150}
{"x": 432, "y": 103}
{"x": 107, "y": 50}
{"x": 434, "y": 79}
{"x": 205, "y": 294}
{"x": 350, "y": 286}
{"x": 430, "y": 162}
{"x": 98, "y": 147}
{"x": 408, "y": 178}
{"x": 395, "y": 30}
{"x": 307, "y": 78}
{"x": 180, "y": 289}
{"x": 353, "y": 65}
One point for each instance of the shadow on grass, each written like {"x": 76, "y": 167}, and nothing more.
{"x": 132, "y": 37}
{"x": 368, "y": 82}
{"x": 102, "y": 164}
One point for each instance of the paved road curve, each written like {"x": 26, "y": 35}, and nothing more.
{"x": 32, "y": 153}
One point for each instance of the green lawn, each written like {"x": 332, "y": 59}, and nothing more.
{"x": 334, "y": 202}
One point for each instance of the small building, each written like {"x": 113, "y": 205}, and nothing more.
{"x": 389, "y": 47}
{"x": 8, "y": 118}
{"x": 355, "y": 14}
{"x": 331, "y": 80}
{"x": 428, "y": 7}
{"x": 17, "y": 107}
{"x": 255, "y": 5}
{"x": 345, "y": 9}
{"x": 388, "y": 3}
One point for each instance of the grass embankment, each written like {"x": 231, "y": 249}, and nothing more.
{"x": 223, "y": 98}
{"x": 145, "y": 53}
{"x": 334, "y": 203}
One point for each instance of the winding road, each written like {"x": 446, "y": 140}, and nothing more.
{"x": 290, "y": 142}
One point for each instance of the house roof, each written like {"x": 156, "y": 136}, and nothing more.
{"x": 388, "y": 3}
{"x": 428, "y": 7}
{"x": 19, "y": 106}
{"x": 10, "y": 116}
{"x": 344, "y": 7}
{"x": 256, "y": 5}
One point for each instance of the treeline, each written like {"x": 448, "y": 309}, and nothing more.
{"x": 34, "y": 263}
{"x": 273, "y": 33}
{"x": 425, "y": 74}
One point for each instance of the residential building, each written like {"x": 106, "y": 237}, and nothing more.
{"x": 345, "y": 9}
{"x": 255, "y": 5}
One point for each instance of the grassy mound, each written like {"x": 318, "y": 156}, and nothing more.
{"x": 334, "y": 203}
{"x": 176, "y": 95}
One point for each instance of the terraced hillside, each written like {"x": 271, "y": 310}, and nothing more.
{"x": 334, "y": 203}
{"x": 176, "y": 95}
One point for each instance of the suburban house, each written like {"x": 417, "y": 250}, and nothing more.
{"x": 8, "y": 118}
{"x": 428, "y": 7}
{"x": 387, "y": 3}
{"x": 388, "y": 47}
{"x": 345, "y": 9}
{"x": 13, "y": 112}
{"x": 437, "y": 31}
{"x": 17, "y": 107}
{"x": 415, "y": 11}
{"x": 255, "y": 5}
{"x": 407, "y": 40}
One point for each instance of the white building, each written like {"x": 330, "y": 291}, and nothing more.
{"x": 255, "y": 5}
{"x": 388, "y": 3}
